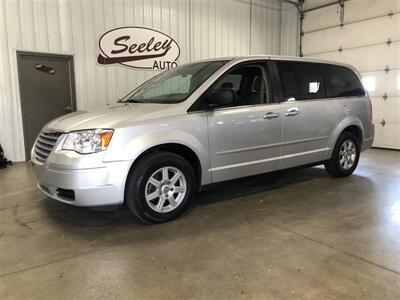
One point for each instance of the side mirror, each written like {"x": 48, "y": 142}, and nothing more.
{"x": 221, "y": 97}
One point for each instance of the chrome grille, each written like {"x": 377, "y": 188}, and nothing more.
{"x": 45, "y": 143}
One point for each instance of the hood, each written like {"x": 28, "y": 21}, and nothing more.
{"x": 120, "y": 115}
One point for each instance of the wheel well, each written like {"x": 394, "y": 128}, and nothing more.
{"x": 181, "y": 150}
{"x": 356, "y": 131}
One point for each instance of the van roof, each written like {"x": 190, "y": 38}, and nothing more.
{"x": 281, "y": 57}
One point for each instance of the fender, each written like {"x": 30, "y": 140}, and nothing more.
{"x": 343, "y": 124}
{"x": 143, "y": 142}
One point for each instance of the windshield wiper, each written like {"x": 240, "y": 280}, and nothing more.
{"x": 131, "y": 101}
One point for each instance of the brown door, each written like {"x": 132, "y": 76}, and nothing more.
{"x": 47, "y": 91}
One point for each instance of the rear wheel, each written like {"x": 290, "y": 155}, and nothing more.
{"x": 159, "y": 187}
{"x": 345, "y": 156}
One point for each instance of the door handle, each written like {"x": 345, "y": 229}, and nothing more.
{"x": 271, "y": 115}
{"x": 68, "y": 108}
{"x": 294, "y": 111}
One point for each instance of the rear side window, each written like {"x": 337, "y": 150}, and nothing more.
{"x": 341, "y": 81}
{"x": 301, "y": 81}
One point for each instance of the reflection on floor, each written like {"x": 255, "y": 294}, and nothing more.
{"x": 298, "y": 234}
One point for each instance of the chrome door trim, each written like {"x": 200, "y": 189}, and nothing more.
{"x": 322, "y": 99}
{"x": 305, "y": 140}
{"x": 232, "y": 107}
{"x": 248, "y": 149}
{"x": 270, "y": 145}
{"x": 293, "y": 111}
{"x": 271, "y": 115}
{"x": 266, "y": 160}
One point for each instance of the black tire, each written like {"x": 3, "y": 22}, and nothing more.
{"x": 334, "y": 166}
{"x": 137, "y": 183}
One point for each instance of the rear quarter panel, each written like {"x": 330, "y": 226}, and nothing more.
{"x": 351, "y": 111}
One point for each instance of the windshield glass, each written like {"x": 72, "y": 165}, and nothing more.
{"x": 174, "y": 85}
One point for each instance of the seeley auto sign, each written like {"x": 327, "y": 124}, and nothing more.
{"x": 138, "y": 47}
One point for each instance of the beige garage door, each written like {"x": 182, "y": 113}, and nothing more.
{"x": 369, "y": 39}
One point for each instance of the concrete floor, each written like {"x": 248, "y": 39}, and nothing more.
{"x": 301, "y": 234}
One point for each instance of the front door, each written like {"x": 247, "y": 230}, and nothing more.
{"x": 244, "y": 138}
{"x": 47, "y": 91}
{"x": 308, "y": 117}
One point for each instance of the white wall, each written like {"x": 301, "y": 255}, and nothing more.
{"x": 203, "y": 29}
{"x": 368, "y": 24}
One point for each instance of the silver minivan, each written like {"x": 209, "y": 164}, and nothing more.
{"x": 202, "y": 123}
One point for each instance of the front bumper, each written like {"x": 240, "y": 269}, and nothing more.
{"x": 100, "y": 186}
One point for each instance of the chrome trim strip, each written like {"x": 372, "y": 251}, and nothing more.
{"x": 43, "y": 146}
{"x": 270, "y": 145}
{"x": 266, "y": 160}
{"x": 45, "y": 143}
{"x": 247, "y": 149}
{"x": 49, "y": 137}
{"x": 37, "y": 150}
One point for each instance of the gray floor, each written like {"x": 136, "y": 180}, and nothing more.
{"x": 299, "y": 234}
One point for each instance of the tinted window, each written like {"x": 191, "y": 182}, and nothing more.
{"x": 300, "y": 81}
{"x": 341, "y": 82}
{"x": 248, "y": 82}
{"x": 230, "y": 80}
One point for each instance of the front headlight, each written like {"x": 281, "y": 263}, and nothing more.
{"x": 88, "y": 141}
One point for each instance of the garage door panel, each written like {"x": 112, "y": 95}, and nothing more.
{"x": 384, "y": 83}
{"x": 388, "y": 110}
{"x": 366, "y": 59}
{"x": 321, "y": 18}
{"x": 357, "y": 34}
{"x": 365, "y": 9}
{"x": 354, "y": 11}
{"x": 371, "y": 31}
{"x": 364, "y": 46}
{"x": 387, "y": 136}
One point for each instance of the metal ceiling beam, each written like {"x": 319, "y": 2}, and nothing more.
{"x": 291, "y": 2}
{"x": 337, "y": 2}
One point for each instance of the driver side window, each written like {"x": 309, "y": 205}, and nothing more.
{"x": 248, "y": 83}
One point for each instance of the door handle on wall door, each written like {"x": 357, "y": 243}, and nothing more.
{"x": 294, "y": 111}
{"x": 271, "y": 115}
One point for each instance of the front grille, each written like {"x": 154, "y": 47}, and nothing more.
{"x": 45, "y": 143}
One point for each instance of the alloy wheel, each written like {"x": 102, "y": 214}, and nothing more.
{"x": 347, "y": 154}
{"x": 165, "y": 189}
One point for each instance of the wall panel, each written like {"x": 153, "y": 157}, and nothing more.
{"x": 203, "y": 29}
{"x": 290, "y": 34}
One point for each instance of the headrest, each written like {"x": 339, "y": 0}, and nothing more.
{"x": 227, "y": 85}
{"x": 257, "y": 84}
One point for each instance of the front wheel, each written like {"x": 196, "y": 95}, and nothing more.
{"x": 345, "y": 156}
{"x": 159, "y": 187}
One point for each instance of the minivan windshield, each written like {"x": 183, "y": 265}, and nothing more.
{"x": 174, "y": 85}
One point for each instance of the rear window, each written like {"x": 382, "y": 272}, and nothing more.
{"x": 341, "y": 81}
{"x": 301, "y": 81}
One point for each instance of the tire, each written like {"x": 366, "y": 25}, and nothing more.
{"x": 345, "y": 156}
{"x": 148, "y": 179}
